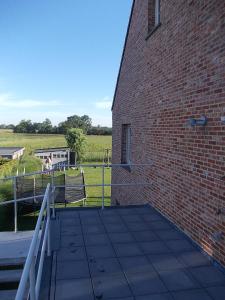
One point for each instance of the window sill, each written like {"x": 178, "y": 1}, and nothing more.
{"x": 126, "y": 167}
{"x": 150, "y": 33}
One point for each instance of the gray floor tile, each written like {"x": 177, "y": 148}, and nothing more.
{"x": 144, "y": 210}
{"x": 108, "y": 212}
{"x": 125, "y": 211}
{"x": 127, "y": 298}
{"x": 171, "y": 234}
{"x": 152, "y": 217}
{"x": 127, "y": 249}
{"x": 123, "y": 237}
{"x": 191, "y": 295}
{"x": 70, "y": 222}
{"x": 145, "y": 236}
{"x": 72, "y": 269}
{"x": 111, "y": 287}
{"x": 115, "y": 227}
{"x": 73, "y": 214}
{"x": 160, "y": 225}
{"x": 138, "y": 226}
{"x": 165, "y": 262}
{"x": 68, "y": 241}
{"x": 136, "y": 264}
{"x": 88, "y": 213}
{"x": 71, "y": 230}
{"x": 145, "y": 283}
{"x": 75, "y": 253}
{"x": 111, "y": 219}
{"x": 91, "y": 221}
{"x": 154, "y": 247}
{"x": 171, "y": 262}
{"x": 75, "y": 289}
{"x": 93, "y": 229}
{"x": 194, "y": 259}
{"x": 96, "y": 239}
{"x": 100, "y": 251}
{"x": 106, "y": 266}
{"x": 178, "y": 280}
{"x": 217, "y": 292}
{"x": 180, "y": 245}
{"x": 156, "y": 297}
{"x": 131, "y": 218}
{"x": 208, "y": 276}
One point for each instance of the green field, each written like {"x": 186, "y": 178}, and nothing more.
{"x": 34, "y": 141}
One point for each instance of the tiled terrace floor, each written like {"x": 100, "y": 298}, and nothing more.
{"x": 129, "y": 253}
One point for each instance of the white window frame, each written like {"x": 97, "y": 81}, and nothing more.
{"x": 157, "y": 12}
{"x": 128, "y": 145}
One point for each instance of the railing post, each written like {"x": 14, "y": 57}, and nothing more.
{"x": 32, "y": 281}
{"x": 103, "y": 187}
{"x": 15, "y": 205}
{"x": 49, "y": 226}
{"x": 53, "y": 195}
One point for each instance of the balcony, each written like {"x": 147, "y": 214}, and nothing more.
{"x": 115, "y": 252}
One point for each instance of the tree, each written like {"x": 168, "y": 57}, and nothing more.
{"x": 25, "y": 126}
{"x": 76, "y": 141}
{"x": 45, "y": 126}
{"x": 83, "y": 122}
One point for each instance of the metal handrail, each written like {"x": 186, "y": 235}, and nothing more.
{"x": 75, "y": 166}
{"x": 20, "y": 200}
{"x": 29, "y": 267}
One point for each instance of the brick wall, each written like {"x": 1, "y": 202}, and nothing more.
{"x": 177, "y": 73}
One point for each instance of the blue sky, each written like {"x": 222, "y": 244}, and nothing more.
{"x": 60, "y": 57}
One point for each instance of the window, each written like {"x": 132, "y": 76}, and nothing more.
{"x": 126, "y": 144}
{"x": 153, "y": 15}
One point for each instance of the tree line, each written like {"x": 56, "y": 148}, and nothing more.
{"x": 82, "y": 122}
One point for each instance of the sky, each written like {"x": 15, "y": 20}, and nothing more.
{"x": 59, "y": 58}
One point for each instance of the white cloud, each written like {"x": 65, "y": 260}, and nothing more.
{"x": 104, "y": 103}
{"x": 9, "y": 101}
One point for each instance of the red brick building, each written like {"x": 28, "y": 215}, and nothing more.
{"x": 169, "y": 110}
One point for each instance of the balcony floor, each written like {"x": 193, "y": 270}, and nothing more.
{"x": 129, "y": 253}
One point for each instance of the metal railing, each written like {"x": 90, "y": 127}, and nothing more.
{"x": 29, "y": 273}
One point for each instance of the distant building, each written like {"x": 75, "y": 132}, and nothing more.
{"x": 11, "y": 152}
{"x": 58, "y": 155}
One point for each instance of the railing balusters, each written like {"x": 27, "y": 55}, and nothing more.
{"x": 32, "y": 280}
{"x": 15, "y": 205}
{"x": 103, "y": 187}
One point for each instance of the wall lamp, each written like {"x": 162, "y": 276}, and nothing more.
{"x": 202, "y": 121}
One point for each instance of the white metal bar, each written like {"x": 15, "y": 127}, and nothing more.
{"x": 48, "y": 229}
{"x": 32, "y": 280}
{"x": 106, "y": 184}
{"x": 103, "y": 187}
{"x": 41, "y": 262}
{"x": 77, "y": 166}
{"x": 20, "y": 200}
{"x": 53, "y": 202}
{"x": 15, "y": 205}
